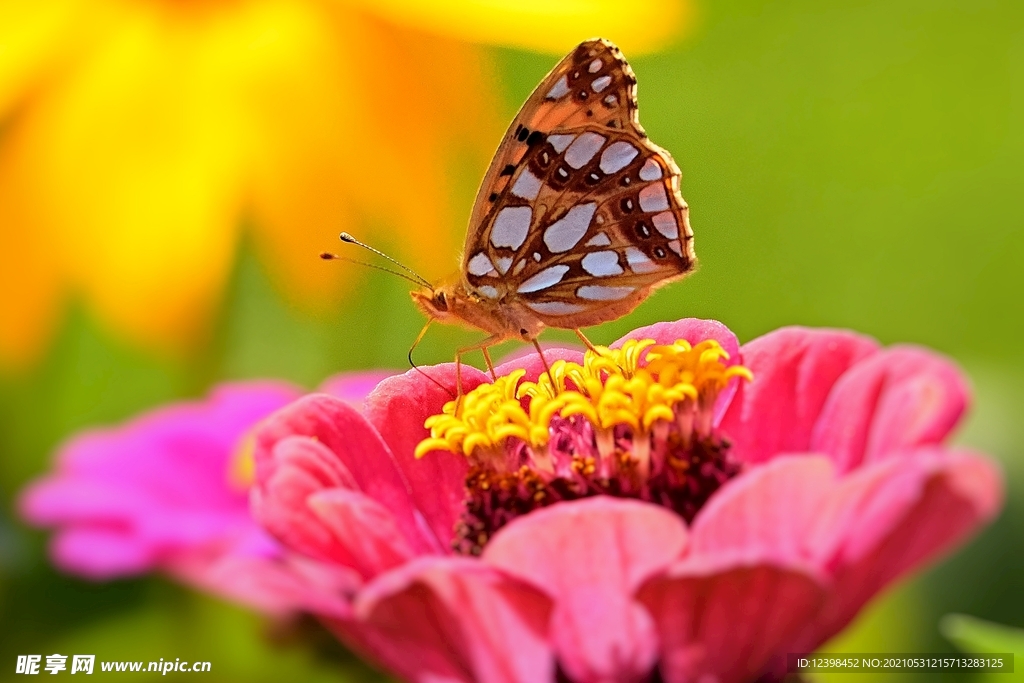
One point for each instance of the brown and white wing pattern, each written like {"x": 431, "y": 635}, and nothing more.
{"x": 580, "y": 215}
{"x": 570, "y": 96}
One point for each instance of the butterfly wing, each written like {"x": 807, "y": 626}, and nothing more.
{"x": 555, "y": 104}
{"x": 579, "y": 215}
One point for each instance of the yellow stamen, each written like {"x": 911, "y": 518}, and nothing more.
{"x": 623, "y": 386}
{"x": 242, "y": 466}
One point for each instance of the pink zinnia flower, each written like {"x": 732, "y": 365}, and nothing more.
{"x": 169, "y": 491}
{"x": 675, "y": 505}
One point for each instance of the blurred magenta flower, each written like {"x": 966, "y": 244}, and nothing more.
{"x": 638, "y": 509}
{"x": 169, "y": 491}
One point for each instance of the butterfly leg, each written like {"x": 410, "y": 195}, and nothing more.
{"x": 547, "y": 368}
{"x": 583, "y": 338}
{"x": 420, "y": 370}
{"x": 482, "y": 346}
{"x": 490, "y": 364}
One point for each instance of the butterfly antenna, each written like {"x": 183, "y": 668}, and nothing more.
{"x": 345, "y": 237}
{"x": 328, "y": 256}
{"x": 417, "y": 368}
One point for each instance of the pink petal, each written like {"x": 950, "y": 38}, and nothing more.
{"x": 887, "y": 519}
{"x": 398, "y": 407}
{"x": 300, "y": 468}
{"x": 364, "y": 528}
{"x": 591, "y": 556}
{"x": 280, "y": 586}
{"x": 726, "y": 623}
{"x": 899, "y": 398}
{"x": 132, "y": 498}
{"x": 766, "y": 513}
{"x": 513, "y": 359}
{"x": 695, "y": 330}
{"x": 93, "y": 500}
{"x": 861, "y": 531}
{"x": 755, "y": 537}
{"x": 455, "y": 619}
{"x": 354, "y": 387}
{"x": 101, "y": 554}
{"x": 794, "y": 370}
{"x": 528, "y": 359}
{"x": 320, "y": 442}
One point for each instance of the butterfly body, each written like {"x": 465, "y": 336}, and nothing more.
{"x": 579, "y": 216}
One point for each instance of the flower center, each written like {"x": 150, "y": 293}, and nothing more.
{"x": 634, "y": 422}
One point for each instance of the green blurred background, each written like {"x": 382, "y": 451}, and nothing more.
{"x": 856, "y": 165}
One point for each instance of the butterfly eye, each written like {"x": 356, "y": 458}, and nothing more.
{"x": 440, "y": 302}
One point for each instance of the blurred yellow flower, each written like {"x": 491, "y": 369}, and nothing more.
{"x": 555, "y": 26}
{"x": 139, "y": 137}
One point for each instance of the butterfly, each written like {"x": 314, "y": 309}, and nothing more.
{"x": 579, "y": 216}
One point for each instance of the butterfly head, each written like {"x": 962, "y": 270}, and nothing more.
{"x": 453, "y": 302}
{"x": 433, "y": 302}
{"x": 449, "y": 303}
